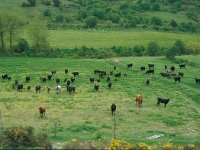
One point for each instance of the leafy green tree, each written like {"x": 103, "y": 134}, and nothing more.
{"x": 171, "y": 53}
{"x": 91, "y": 22}
{"x": 56, "y": 3}
{"x": 139, "y": 50}
{"x": 47, "y": 13}
{"x": 156, "y": 7}
{"x": 153, "y": 49}
{"x": 179, "y": 44}
{"x": 82, "y": 14}
{"x": 100, "y": 13}
{"x": 22, "y": 45}
{"x": 38, "y": 34}
{"x": 3, "y": 28}
{"x": 59, "y": 18}
{"x": 173, "y": 23}
{"x": 115, "y": 18}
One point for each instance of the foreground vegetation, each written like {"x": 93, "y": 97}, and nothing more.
{"x": 85, "y": 115}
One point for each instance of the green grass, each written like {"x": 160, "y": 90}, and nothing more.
{"x": 107, "y": 39}
{"x": 86, "y": 114}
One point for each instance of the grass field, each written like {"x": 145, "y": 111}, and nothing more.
{"x": 86, "y": 114}
{"x": 107, "y": 39}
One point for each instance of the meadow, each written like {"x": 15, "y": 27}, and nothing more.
{"x": 86, "y": 115}
{"x": 125, "y": 38}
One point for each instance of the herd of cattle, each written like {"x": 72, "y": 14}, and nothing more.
{"x": 99, "y": 75}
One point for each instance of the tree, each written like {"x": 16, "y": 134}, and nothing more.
{"x": 38, "y": 34}
{"x": 115, "y": 18}
{"x": 173, "y": 23}
{"x": 179, "y": 44}
{"x": 3, "y": 28}
{"x": 32, "y": 2}
{"x": 156, "y": 7}
{"x": 56, "y": 3}
{"x": 91, "y": 22}
{"x": 22, "y": 46}
{"x": 138, "y": 50}
{"x": 153, "y": 49}
{"x": 156, "y": 21}
{"x": 171, "y": 53}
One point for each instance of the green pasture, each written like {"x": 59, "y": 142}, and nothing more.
{"x": 86, "y": 114}
{"x": 107, "y": 39}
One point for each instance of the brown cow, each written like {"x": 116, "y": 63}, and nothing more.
{"x": 138, "y": 100}
{"x": 42, "y": 110}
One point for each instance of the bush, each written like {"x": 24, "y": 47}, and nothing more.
{"x": 47, "y": 2}
{"x": 22, "y": 46}
{"x": 59, "y": 18}
{"x": 82, "y": 14}
{"x": 139, "y": 50}
{"x": 115, "y": 18}
{"x": 32, "y": 2}
{"x": 91, "y": 22}
{"x": 26, "y": 4}
{"x": 156, "y": 21}
{"x": 56, "y": 3}
{"x": 156, "y": 7}
{"x": 47, "y": 13}
{"x": 153, "y": 49}
{"x": 180, "y": 47}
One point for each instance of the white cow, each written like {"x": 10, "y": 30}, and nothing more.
{"x": 58, "y": 89}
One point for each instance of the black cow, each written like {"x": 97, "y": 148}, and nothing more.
{"x": 57, "y": 80}
{"x": 177, "y": 79}
{"x": 182, "y": 65}
{"x": 28, "y": 79}
{"x": 96, "y": 87}
{"x": 37, "y": 88}
{"x": 118, "y": 74}
{"x": 16, "y": 82}
{"x": 165, "y": 74}
{"x": 98, "y": 80}
{"x": 71, "y": 89}
{"x": 96, "y": 71}
{"x": 181, "y": 74}
{"x": 115, "y": 67}
{"x": 142, "y": 68}
{"x": 172, "y": 68}
{"x": 4, "y": 76}
{"x": 148, "y": 82}
{"x": 150, "y": 72}
{"x": 151, "y": 65}
{"x": 28, "y": 88}
{"x": 76, "y": 73}
{"x": 162, "y": 100}
{"x": 72, "y": 79}
{"x": 48, "y": 90}
{"x": 43, "y": 79}
{"x": 111, "y": 72}
{"x": 91, "y": 80}
{"x": 113, "y": 108}
{"x": 65, "y": 80}
{"x": 53, "y": 72}
{"x": 130, "y": 65}
{"x": 102, "y": 74}
{"x": 108, "y": 79}
{"x": 197, "y": 80}
{"x": 109, "y": 85}
{"x": 66, "y": 71}
{"x": 49, "y": 77}
{"x": 20, "y": 87}
{"x": 68, "y": 82}
{"x": 165, "y": 67}
{"x": 8, "y": 78}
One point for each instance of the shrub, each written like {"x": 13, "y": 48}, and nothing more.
{"x": 138, "y": 50}
{"x": 56, "y": 3}
{"x": 91, "y": 22}
{"x": 47, "y": 13}
{"x": 156, "y": 7}
{"x": 156, "y": 21}
{"x": 119, "y": 144}
{"x": 22, "y": 46}
{"x": 180, "y": 46}
{"x": 100, "y": 13}
{"x": 47, "y": 2}
{"x": 115, "y": 18}
{"x": 59, "y": 18}
{"x": 32, "y": 2}
{"x": 26, "y": 4}
{"x": 82, "y": 14}
{"x": 153, "y": 49}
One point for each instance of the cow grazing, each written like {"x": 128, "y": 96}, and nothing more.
{"x": 138, "y": 100}
{"x": 172, "y": 68}
{"x": 53, "y": 72}
{"x": 150, "y": 72}
{"x": 28, "y": 88}
{"x": 165, "y": 74}
{"x": 48, "y": 90}
{"x": 109, "y": 85}
{"x": 91, "y": 80}
{"x": 111, "y": 72}
{"x": 130, "y": 65}
{"x": 197, "y": 80}
{"x": 75, "y": 73}
{"x": 96, "y": 87}
{"x": 37, "y": 88}
{"x": 28, "y": 79}
{"x": 42, "y": 111}
{"x": 162, "y": 100}
{"x": 16, "y": 82}
{"x": 98, "y": 80}
{"x": 117, "y": 75}
{"x": 71, "y": 89}
{"x": 58, "y": 89}
{"x": 66, "y": 71}
{"x": 165, "y": 67}
{"x": 182, "y": 65}
{"x": 142, "y": 68}
{"x": 147, "y": 82}
{"x": 5, "y": 76}
{"x": 49, "y": 77}
{"x": 20, "y": 87}
{"x": 57, "y": 80}
{"x": 72, "y": 79}
{"x": 9, "y": 78}
{"x": 96, "y": 71}
{"x": 43, "y": 79}
{"x": 68, "y": 82}
{"x": 102, "y": 74}
{"x": 108, "y": 79}
{"x": 115, "y": 67}
{"x": 113, "y": 109}
{"x": 181, "y": 74}
{"x": 151, "y": 66}
{"x": 177, "y": 79}
{"x": 65, "y": 80}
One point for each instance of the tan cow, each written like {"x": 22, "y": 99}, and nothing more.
{"x": 138, "y": 100}
{"x": 42, "y": 110}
